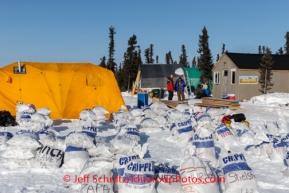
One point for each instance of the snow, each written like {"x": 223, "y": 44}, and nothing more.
{"x": 272, "y": 99}
{"x": 258, "y": 110}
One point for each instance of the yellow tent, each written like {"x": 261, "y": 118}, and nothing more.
{"x": 65, "y": 88}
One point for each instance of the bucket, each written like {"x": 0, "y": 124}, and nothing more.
{"x": 142, "y": 99}
{"x": 231, "y": 97}
{"x": 225, "y": 97}
{"x": 156, "y": 93}
{"x": 162, "y": 92}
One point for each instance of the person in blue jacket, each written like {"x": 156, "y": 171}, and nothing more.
{"x": 206, "y": 91}
{"x": 180, "y": 89}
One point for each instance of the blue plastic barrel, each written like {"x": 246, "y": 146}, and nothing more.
{"x": 142, "y": 99}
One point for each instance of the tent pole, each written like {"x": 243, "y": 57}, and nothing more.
{"x": 188, "y": 83}
{"x": 135, "y": 83}
{"x": 19, "y": 66}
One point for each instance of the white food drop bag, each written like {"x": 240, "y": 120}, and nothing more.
{"x": 239, "y": 177}
{"x": 139, "y": 174}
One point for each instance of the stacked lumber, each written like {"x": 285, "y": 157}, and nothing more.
{"x": 215, "y": 102}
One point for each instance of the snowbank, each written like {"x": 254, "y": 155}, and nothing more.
{"x": 258, "y": 111}
{"x": 272, "y": 99}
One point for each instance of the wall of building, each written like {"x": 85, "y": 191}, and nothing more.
{"x": 246, "y": 91}
{"x": 160, "y": 82}
{"x": 219, "y": 89}
{"x": 280, "y": 80}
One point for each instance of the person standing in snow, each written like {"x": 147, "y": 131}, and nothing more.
{"x": 170, "y": 86}
{"x": 180, "y": 89}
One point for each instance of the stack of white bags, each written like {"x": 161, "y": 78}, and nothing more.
{"x": 21, "y": 149}
{"x": 121, "y": 162}
{"x": 32, "y": 145}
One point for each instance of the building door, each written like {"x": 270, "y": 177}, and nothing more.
{"x": 225, "y": 83}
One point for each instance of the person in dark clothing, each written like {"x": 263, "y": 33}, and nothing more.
{"x": 180, "y": 89}
{"x": 170, "y": 86}
{"x": 201, "y": 95}
{"x": 199, "y": 92}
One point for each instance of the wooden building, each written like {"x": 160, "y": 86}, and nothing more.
{"x": 237, "y": 73}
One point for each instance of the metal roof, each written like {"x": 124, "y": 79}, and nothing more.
{"x": 252, "y": 61}
{"x": 158, "y": 70}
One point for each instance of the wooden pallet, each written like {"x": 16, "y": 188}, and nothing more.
{"x": 233, "y": 107}
{"x": 210, "y": 100}
{"x": 206, "y": 102}
{"x": 215, "y": 102}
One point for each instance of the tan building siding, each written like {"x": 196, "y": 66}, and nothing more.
{"x": 247, "y": 91}
{"x": 280, "y": 79}
{"x": 219, "y": 89}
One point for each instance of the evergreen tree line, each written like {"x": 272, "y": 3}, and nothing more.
{"x": 263, "y": 49}
{"x": 126, "y": 71}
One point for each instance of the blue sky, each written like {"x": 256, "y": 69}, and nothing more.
{"x": 77, "y": 30}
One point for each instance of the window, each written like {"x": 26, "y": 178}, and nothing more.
{"x": 216, "y": 77}
{"x": 225, "y": 72}
{"x": 233, "y": 76}
{"x": 16, "y": 70}
{"x": 94, "y": 80}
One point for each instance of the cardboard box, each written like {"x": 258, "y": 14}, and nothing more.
{"x": 150, "y": 94}
{"x": 156, "y": 99}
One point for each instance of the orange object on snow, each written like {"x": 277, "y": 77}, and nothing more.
{"x": 65, "y": 88}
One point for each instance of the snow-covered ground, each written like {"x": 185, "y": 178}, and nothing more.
{"x": 258, "y": 111}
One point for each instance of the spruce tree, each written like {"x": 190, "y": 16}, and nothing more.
{"x": 194, "y": 63}
{"x": 183, "y": 57}
{"x": 205, "y": 63}
{"x": 157, "y": 59}
{"x": 102, "y": 62}
{"x": 110, "y": 63}
{"x": 263, "y": 49}
{"x": 119, "y": 77}
{"x": 287, "y": 43}
{"x": 171, "y": 58}
{"x": 265, "y": 72}
{"x": 168, "y": 58}
{"x": 280, "y": 51}
{"x": 218, "y": 57}
{"x": 223, "y": 48}
{"x": 131, "y": 63}
{"x": 151, "y": 54}
{"x": 138, "y": 59}
{"x": 259, "y": 50}
{"x": 146, "y": 54}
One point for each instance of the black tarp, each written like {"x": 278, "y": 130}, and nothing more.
{"x": 6, "y": 119}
